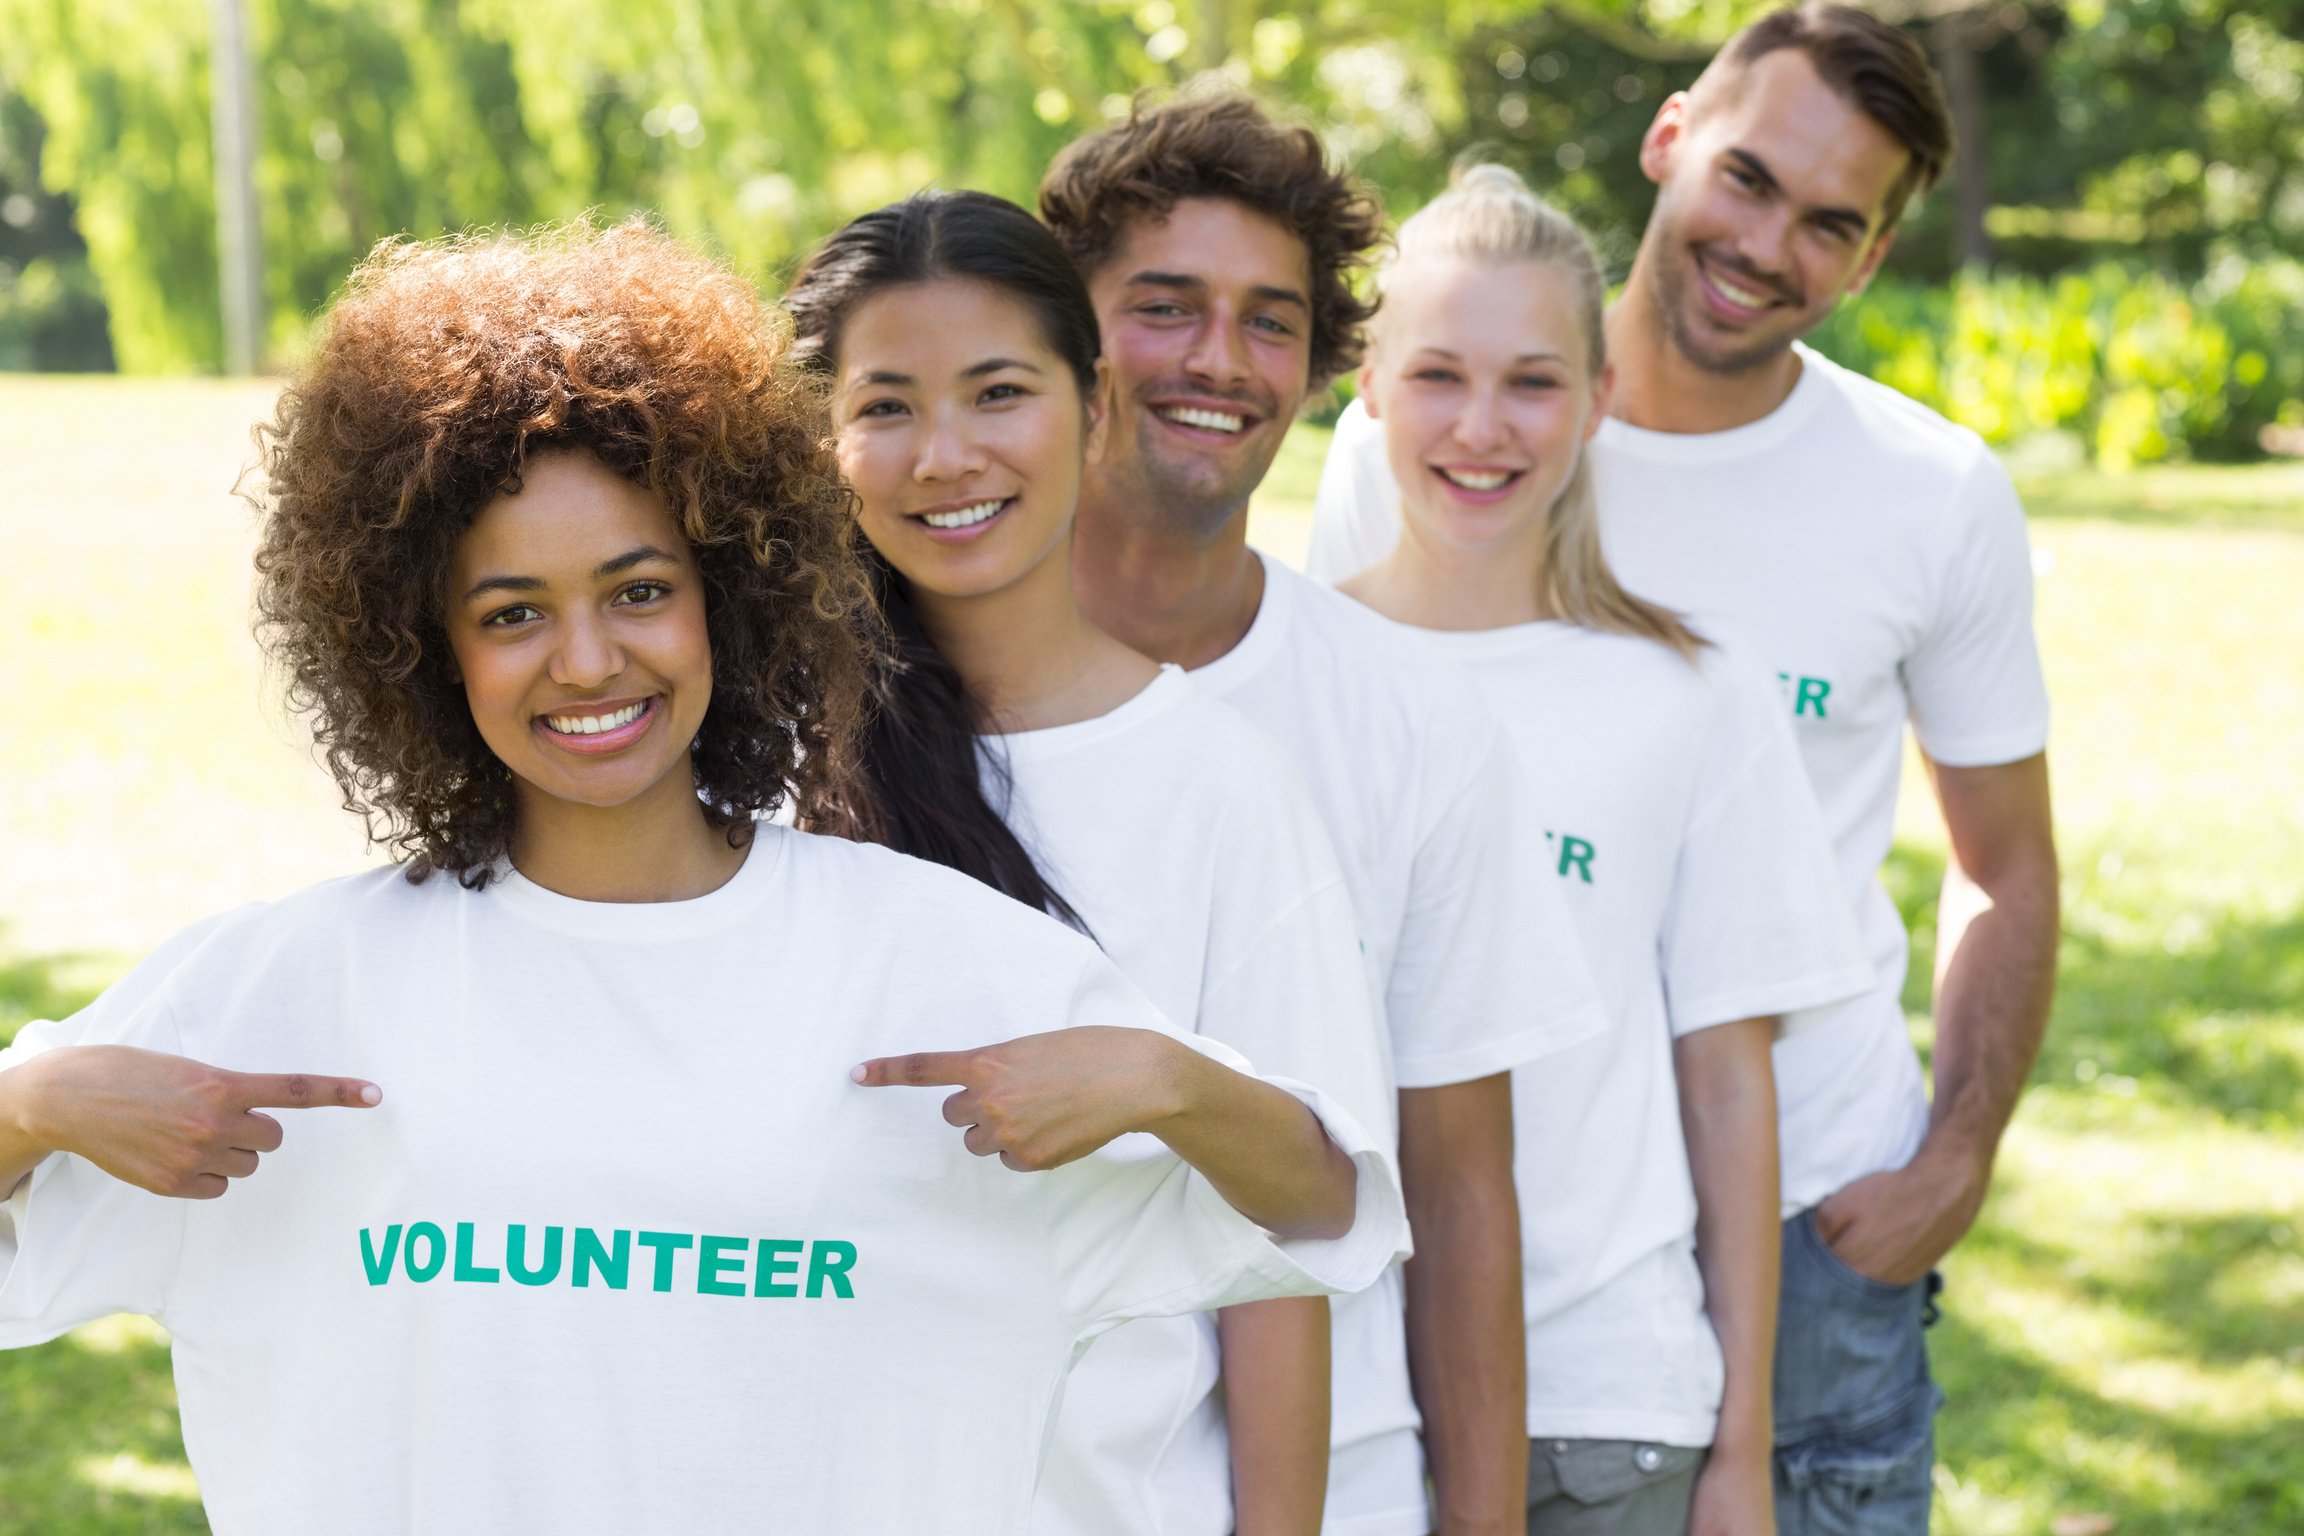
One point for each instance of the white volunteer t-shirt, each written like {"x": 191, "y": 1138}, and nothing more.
{"x": 623, "y": 1248}
{"x": 1478, "y": 968}
{"x": 1191, "y": 850}
{"x": 1874, "y": 556}
{"x": 1682, "y": 832}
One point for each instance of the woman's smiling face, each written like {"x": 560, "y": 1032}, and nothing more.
{"x": 576, "y": 615}
{"x": 1483, "y": 380}
{"x": 963, "y": 433}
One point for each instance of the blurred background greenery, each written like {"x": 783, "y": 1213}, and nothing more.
{"x": 2117, "y": 259}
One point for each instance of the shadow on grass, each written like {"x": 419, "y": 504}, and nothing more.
{"x": 64, "y": 1406}
{"x": 2217, "y": 1025}
{"x": 2022, "y": 1426}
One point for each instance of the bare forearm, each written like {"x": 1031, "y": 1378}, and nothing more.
{"x": 1276, "y": 1395}
{"x": 1995, "y": 980}
{"x": 1728, "y": 1111}
{"x": 1263, "y": 1150}
{"x": 22, "y": 1148}
{"x": 1467, "y": 1349}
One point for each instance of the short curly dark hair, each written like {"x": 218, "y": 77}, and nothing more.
{"x": 1223, "y": 146}
{"x": 443, "y": 367}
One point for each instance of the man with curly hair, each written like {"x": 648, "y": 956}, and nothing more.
{"x": 560, "y": 570}
{"x": 1221, "y": 249}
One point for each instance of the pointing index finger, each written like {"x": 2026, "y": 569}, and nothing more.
{"x": 304, "y": 1090}
{"x": 921, "y": 1069}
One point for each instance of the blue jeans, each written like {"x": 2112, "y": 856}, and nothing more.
{"x": 1855, "y": 1406}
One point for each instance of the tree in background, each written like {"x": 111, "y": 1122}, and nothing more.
{"x": 51, "y": 314}
{"x": 2160, "y": 135}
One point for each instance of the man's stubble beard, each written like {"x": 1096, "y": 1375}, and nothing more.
{"x": 1176, "y": 497}
{"x": 1672, "y": 300}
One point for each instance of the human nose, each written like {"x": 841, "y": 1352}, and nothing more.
{"x": 947, "y": 450}
{"x": 588, "y": 654}
{"x": 1764, "y": 243}
{"x": 1480, "y": 424}
{"x": 1218, "y": 355}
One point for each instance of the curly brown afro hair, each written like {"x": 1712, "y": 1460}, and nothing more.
{"x": 1223, "y": 145}
{"x": 441, "y": 369}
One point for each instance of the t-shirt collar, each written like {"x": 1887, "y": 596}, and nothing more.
{"x": 1154, "y": 699}
{"x": 647, "y": 922}
{"x": 1808, "y": 393}
{"x": 1266, "y": 632}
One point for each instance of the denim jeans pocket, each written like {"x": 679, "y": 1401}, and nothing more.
{"x": 1863, "y": 1479}
{"x": 1841, "y": 1270}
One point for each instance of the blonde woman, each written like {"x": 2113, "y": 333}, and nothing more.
{"x": 1682, "y": 833}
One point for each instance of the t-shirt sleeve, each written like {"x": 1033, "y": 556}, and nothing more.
{"x": 1356, "y": 515}
{"x": 1140, "y": 1233}
{"x": 1757, "y": 924}
{"x": 1489, "y": 973}
{"x": 77, "y": 1244}
{"x": 1978, "y": 696}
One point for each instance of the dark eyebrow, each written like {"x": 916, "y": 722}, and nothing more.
{"x": 1182, "y": 280}
{"x": 995, "y": 364}
{"x": 885, "y": 376}
{"x": 616, "y": 567}
{"x": 1852, "y": 220}
{"x": 1263, "y": 293}
{"x": 630, "y": 558}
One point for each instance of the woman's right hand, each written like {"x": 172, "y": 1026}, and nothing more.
{"x": 164, "y": 1123}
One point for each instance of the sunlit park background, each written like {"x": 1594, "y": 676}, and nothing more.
{"x": 2110, "y": 287}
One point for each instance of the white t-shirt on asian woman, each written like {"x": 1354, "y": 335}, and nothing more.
{"x": 1192, "y": 854}
{"x": 624, "y": 1248}
{"x": 1872, "y": 555}
{"x": 1683, "y": 834}
{"x": 1477, "y": 967}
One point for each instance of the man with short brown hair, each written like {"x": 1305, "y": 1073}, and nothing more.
{"x": 1219, "y": 246}
{"x": 1876, "y": 555}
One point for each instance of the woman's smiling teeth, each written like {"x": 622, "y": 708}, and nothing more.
{"x": 966, "y": 517}
{"x": 1206, "y": 421}
{"x": 1478, "y": 479}
{"x": 593, "y": 725}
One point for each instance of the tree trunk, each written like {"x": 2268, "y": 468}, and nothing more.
{"x": 1955, "y": 39}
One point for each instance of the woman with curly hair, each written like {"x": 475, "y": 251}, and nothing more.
{"x": 557, "y": 565}
{"x": 1016, "y": 742}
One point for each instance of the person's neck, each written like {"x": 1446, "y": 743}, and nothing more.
{"x": 1658, "y": 388}
{"x": 657, "y": 846}
{"x": 1028, "y": 656}
{"x": 1438, "y": 586}
{"x": 1173, "y": 596}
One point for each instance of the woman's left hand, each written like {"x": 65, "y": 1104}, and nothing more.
{"x": 1735, "y": 1496}
{"x": 1041, "y": 1101}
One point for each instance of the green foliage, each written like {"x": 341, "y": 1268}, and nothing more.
{"x": 51, "y": 311}
{"x": 2141, "y": 367}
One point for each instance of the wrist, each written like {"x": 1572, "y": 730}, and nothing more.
{"x": 1956, "y": 1160}
{"x": 1176, "y": 1083}
{"x": 25, "y": 1112}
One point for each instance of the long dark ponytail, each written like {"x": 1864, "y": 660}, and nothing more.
{"x": 920, "y": 785}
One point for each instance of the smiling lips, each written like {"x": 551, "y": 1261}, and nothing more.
{"x": 968, "y": 516}
{"x": 1479, "y": 479}
{"x": 1731, "y": 296}
{"x": 599, "y": 731}
{"x": 1226, "y": 422}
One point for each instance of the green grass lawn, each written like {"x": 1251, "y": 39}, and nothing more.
{"x": 2125, "y": 1330}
